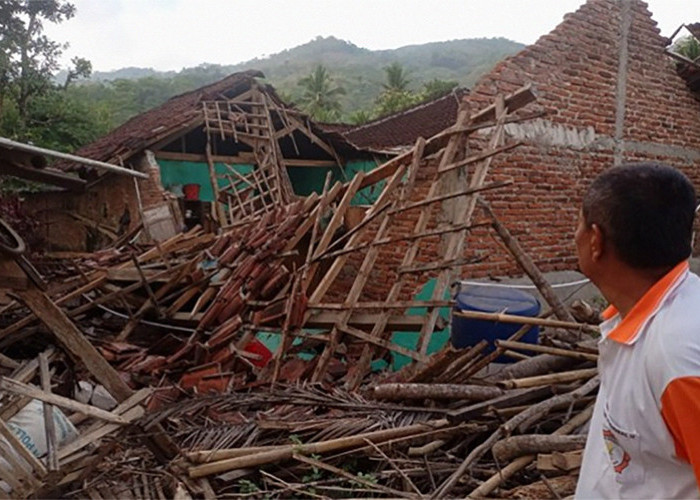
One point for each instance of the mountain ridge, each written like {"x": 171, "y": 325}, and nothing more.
{"x": 358, "y": 70}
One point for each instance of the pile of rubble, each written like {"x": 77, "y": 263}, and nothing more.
{"x": 140, "y": 371}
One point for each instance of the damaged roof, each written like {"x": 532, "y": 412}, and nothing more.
{"x": 690, "y": 72}
{"x": 178, "y": 114}
{"x": 403, "y": 128}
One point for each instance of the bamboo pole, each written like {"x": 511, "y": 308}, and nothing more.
{"x": 504, "y": 474}
{"x": 524, "y": 320}
{"x": 553, "y": 378}
{"x": 557, "y": 351}
{"x": 287, "y": 452}
{"x": 398, "y": 391}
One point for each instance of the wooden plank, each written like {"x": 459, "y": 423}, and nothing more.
{"x": 14, "y": 387}
{"x": 380, "y": 326}
{"x": 479, "y": 157}
{"x": 70, "y": 337}
{"x": 51, "y": 439}
{"x": 465, "y": 210}
{"x": 334, "y": 224}
{"x": 218, "y": 209}
{"x": 372, "y": 339}
{"x": 46, "y": 176}
{"x": 366, "y": 321}
{"x": 513, "y": 398}
{"x": 241, "y": 158}
{"x": 528, "y": 265}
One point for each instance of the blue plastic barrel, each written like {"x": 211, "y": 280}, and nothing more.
{"x": 468, "y": 332}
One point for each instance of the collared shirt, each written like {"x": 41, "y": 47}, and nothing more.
{"x": 644, "y": 437}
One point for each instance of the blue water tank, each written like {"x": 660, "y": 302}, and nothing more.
{"x": 489, "y": 299}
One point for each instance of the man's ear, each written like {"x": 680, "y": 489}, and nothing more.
{"x": 597, "y": 243}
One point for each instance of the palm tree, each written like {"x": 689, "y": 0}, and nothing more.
{"x": 320, "y": 95}
{"x": 396, "y": 78}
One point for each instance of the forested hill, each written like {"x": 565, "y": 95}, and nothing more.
{"x": 360, "y": 72}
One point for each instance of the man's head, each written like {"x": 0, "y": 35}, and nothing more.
{"x": 641, "y": 213}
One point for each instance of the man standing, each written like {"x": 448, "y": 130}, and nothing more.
{"x": 633, "y": 240}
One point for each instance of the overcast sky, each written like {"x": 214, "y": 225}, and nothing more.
{"x": 172, "y": 34}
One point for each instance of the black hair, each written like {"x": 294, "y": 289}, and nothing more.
{"x": 646, "y": 211}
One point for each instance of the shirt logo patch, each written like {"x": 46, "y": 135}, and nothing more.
{"x": 619, "y": 458}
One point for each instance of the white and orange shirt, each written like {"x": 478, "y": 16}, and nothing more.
{"x": 644, "y": 437}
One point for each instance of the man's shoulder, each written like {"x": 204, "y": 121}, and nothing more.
{"x": 672, "y": 348}
{"x": 682, "y": 309}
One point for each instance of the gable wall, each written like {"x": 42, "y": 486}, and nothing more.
{"x": 610, "y": 95}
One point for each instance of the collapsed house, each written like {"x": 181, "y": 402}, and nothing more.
{"x": 174, "y": 329}
{"x": 234, "y": 138}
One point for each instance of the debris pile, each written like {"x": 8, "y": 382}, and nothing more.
{"x": 180, "y": 395}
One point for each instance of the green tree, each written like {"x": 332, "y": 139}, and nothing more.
{"x": 396, "y": 95}
{"x": 396, "y": 78}
{"x": 437, "y": 88}
{"x": 360, "y": 117}
{"x": 320, "y": 95}
{"x": 82, "y": 68}
{"x": 393, "y": 101}
{"x": 32, "y": 107}
{"x": 687, "y": 46}
{"x": 29, "y": 58}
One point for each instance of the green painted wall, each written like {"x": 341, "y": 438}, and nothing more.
{"x": 175, "y": 174}
{"x": 308, "y": 180}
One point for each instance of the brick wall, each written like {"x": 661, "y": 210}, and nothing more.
{"x": 610, "y": 95}
{"x": 100, "y": 206}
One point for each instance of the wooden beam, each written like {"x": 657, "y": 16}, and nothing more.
{"x": 46, "y": 176}
{"x": 74, "y": 342}
{"x": 366, "y": 321}
{"x": 300, "y": 162}
{"x": 242, "y": 158}
{"x": 14, "y": 387}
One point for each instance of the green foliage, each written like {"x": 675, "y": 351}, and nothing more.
{"x": 59, "y": 121}
{"x": 316, "y": 474}
{"x": 437, "y": 88}
{"x": 396, "y": 78}
{"x": 367, "y": 476}
{"x": 356, "y": 70}
{"x": 82, "y": 68}
{"x": 687, "y": 46}
{"x": 29, "y": 58}
{"x": 393, "y": 101}
{"x": 32, "y": 107}
{"x": 320, "y": 95}
{"x": 247, "y": 486}
{"x": 360, "y": 117}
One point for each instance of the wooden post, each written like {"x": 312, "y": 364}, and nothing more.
{"x": 528, "y": 265}
{"x": 218, "y": 209}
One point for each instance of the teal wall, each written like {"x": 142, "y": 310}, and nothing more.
{"x": 175, "y": 174}
{"x": 308, "y": 180}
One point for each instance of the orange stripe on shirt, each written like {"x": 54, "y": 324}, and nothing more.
{"x": 630, "y": 325}
{"x": 680, "y": 407}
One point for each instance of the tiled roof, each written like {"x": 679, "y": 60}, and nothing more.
{"x": 403, "y": 128}
{"x": 177, "y": 113}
